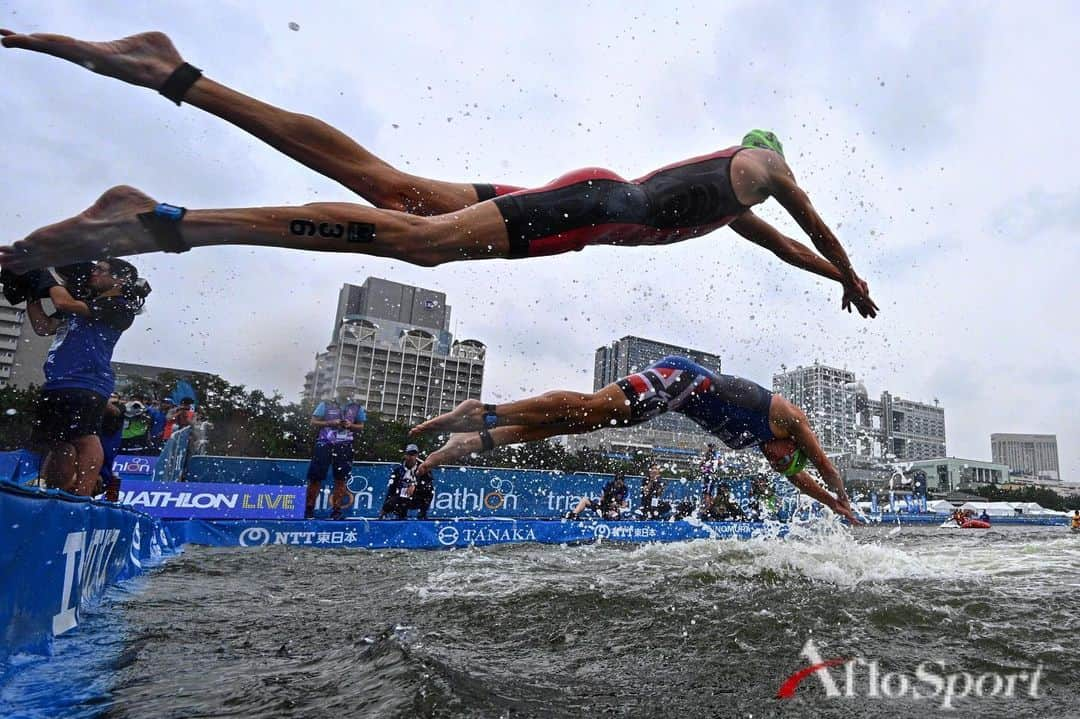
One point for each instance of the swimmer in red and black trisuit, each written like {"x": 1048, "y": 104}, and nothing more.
{"x": 421, "y": 221}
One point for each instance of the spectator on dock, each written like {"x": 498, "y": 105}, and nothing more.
{"x": 158, "y": 414}
{"x": 337, "y": 427}
{"x": 652, "y": 489}
{"x": 136, "y": 431}
{"x": 613, "y": 500}
{"x": 723, "y": 507}
{"x": 408, "y": 488}
{"x": 179, "y": 417}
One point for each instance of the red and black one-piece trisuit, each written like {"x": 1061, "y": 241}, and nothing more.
{"x": 594, "y": 206}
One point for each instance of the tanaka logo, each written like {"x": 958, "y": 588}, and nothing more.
{"x": 928, "y": 680}
{"x": 448, "y": 536}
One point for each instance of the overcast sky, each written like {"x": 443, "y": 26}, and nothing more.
{"x": 938, "y": 141}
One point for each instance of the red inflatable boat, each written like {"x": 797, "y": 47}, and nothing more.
{"x": 975, "y": 524}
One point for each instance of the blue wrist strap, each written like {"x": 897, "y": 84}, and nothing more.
{"x": 170, "y": 212}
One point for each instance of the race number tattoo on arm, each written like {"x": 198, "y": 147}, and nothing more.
{"x": 352, "y": 232}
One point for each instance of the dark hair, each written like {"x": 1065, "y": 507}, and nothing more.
{"x": 135, "y": 289}
{"x": 122, "y": 269}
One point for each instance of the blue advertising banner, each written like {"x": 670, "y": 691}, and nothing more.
{"x": 22, "y": 466}
{"x": 459, "y": 491}
{"x": 130, "y": 466}
{"x": 184, "y": 500}
{"x": 57, "y": 556}
{"x": 389, "y": 534}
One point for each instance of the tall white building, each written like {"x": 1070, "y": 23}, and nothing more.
{"x": 22, "y": 352}
{"x": 827, "y": 395}
{"x": 911, "y": 430}
{"x": 1035, "y": 455}
{"x": 392, "y": 349}
{"x": 848, "y": 422}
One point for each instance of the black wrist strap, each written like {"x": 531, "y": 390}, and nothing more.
{"x": 486, "y": 441}
{"x": 164, "y": 224}
{"x": 181, "y": 80}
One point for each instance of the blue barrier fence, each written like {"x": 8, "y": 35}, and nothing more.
{"x": 172, "y": 462}
{"x": 459, "y": 491}
{"x": 453, "y": 533}
{"x": 58, "y": 553}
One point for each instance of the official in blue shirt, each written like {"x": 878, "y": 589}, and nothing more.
{"x": 157, "y": 422}
{"x": 333, "y": 450}
{"x": 78, "y": 373}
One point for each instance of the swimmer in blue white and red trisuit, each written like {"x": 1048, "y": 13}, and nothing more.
{"x": 421, "y": 221}
{"x": 740, "y": 413}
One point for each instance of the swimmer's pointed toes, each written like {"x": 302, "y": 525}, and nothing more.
{"x": 14, "y": 39}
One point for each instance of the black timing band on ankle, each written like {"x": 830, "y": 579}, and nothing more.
{"x": 164, "y": 224}
{"x": 180, "y": 81}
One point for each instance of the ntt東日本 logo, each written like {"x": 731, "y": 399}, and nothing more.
{"x": 254, "y": 537}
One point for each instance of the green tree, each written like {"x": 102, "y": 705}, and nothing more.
{"x": 1041, "y": 495}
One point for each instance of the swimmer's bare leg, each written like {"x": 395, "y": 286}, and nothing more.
{"x": 468, "y": 443}
{"x": 606, "y": 407}
{"x": 147, "y": 60}
{"x": 111, "y": 228}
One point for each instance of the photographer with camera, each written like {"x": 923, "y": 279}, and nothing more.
{"x": 87, "y": 307}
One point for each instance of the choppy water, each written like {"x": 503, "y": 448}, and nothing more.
{"x": 689, "y": 630}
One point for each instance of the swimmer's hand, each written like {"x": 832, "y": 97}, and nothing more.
{"x": 857, "y": 294}
{"x": 844, "y": 510}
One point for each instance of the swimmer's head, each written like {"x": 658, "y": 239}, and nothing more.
{"x": 763, "y": 139}
{"x": 784, "y": 456}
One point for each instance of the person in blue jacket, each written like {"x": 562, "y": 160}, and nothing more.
{"x": 337, "y": 427}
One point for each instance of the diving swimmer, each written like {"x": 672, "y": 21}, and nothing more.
{"x": 737, "y": 411}
{"x": 422, "y": 221}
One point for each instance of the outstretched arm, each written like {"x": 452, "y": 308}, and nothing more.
{"x": 808, "y": 486}
{"x": 790, "y": 421}
{"x": 792, "y": 198}
{"x": 760, "y": 232}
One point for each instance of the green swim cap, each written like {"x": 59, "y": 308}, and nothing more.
{"x": 764, "y": 139}
{"x": 798, "y": 461}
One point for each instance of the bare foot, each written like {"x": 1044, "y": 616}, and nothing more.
{"x": 467, "y": 415}
{"x": 146, "y": 59}
{"x": 108, "y": 228}
{"x": 458, "y": 446}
